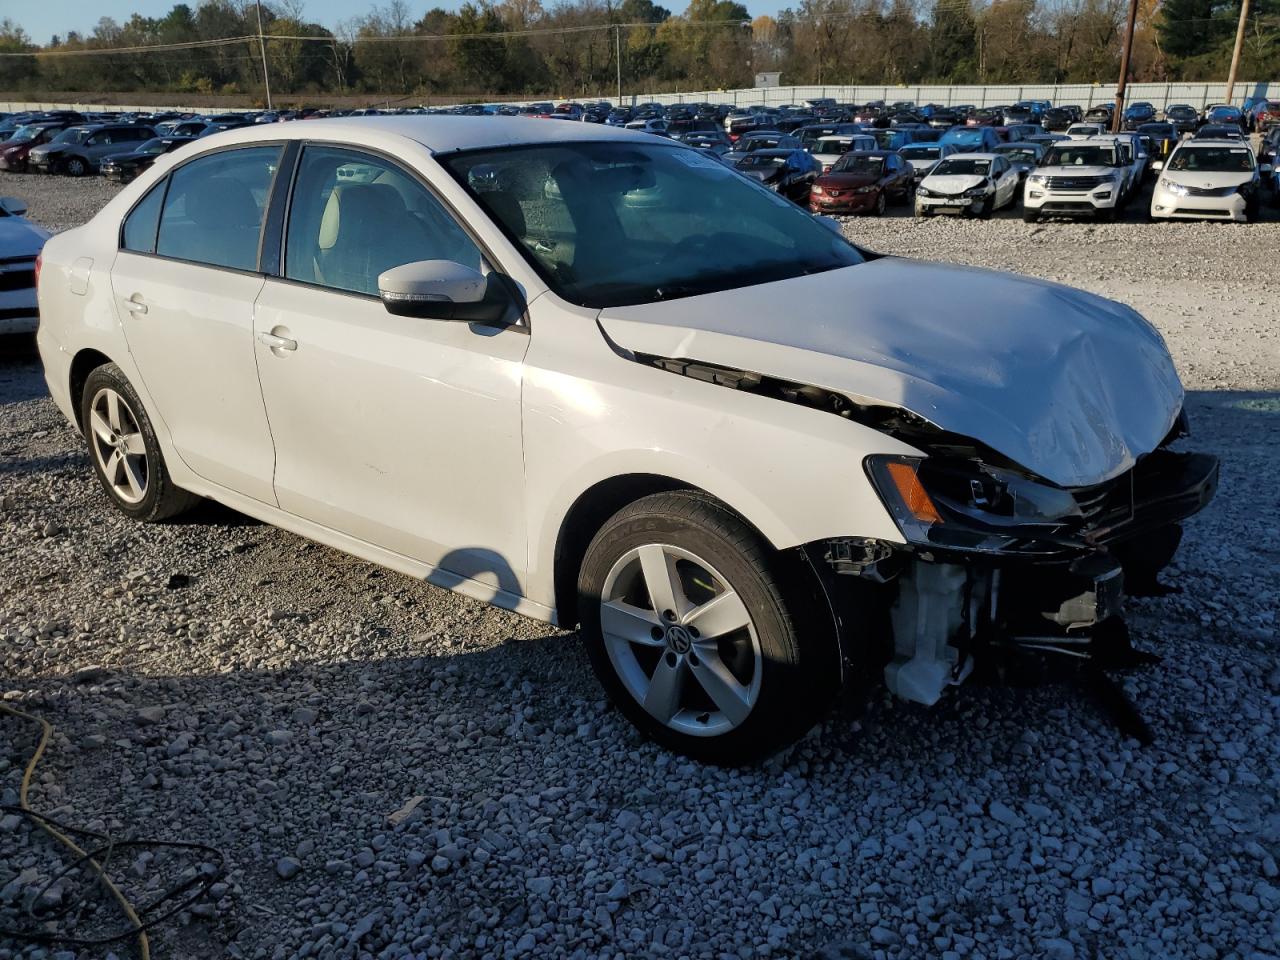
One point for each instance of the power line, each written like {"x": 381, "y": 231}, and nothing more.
{"x": 145, "y": 48}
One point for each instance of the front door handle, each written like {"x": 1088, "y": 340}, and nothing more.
{"x": 277, "y": 343}
{"x": 135, "y": 305}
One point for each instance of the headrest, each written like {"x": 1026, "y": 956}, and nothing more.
{"x": 359, "y": 203}
{"x": 222, "y": 202}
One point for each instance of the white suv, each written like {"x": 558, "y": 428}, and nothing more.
{"x": 1077, "y": 178}
{"x": 602, "y": 379}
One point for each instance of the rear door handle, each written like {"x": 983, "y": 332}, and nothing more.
{"x": 277, "y": 343}
{"x": 135, "y": 305}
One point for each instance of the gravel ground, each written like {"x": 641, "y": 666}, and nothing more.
{"x": 222, "y": 681}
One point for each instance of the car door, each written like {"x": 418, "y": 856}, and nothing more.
{"x": 1004, "y": 180}
{"x": 400, "y": 432}
{"x": 184, "y": 282}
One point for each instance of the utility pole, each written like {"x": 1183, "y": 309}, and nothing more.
{"x": 262, "y": 47}
{"x": 1117, "y": 121}
{"x": 1235, "y": 54}
{"x": 617, "y": 53}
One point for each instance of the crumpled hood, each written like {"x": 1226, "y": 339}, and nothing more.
{"x": 1069, "y": 385}
{"x": 953, "y": 183}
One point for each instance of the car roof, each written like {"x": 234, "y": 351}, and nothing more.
{"x": 438, "y": 133}
{"x": 1224, "y": 142}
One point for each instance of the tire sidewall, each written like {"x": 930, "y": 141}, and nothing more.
{"x": 791, "y": 681}
{"x": 113, "y": 377}
{"x": 74, "y": 167}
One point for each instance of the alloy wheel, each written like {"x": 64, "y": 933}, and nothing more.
{"x": 681, "y": 640}
{"x": 119, "y": 445}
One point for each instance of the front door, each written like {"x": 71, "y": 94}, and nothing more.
{"x": 401, "y": 432}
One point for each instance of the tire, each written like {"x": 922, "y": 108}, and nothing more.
{"x": 920, "y": 211}
{"x": 75, "y": 167}
{"x": 882, "y": 204}
{"x": 124, "y": 451}
{"x": 1030, "y": 216}
{"x": 984, "y": 211}
{"x": 783, "y": 658}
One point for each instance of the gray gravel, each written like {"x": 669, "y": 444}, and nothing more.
{"x": 396, "y": 771}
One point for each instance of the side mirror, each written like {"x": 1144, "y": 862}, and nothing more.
{"x": 13, "y": 206}
{"x": 445, "y": 290}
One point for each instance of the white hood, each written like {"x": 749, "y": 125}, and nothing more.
{"x": 1073, "y": 170}
{"x": 1209, "y": 180}
{"x": 1069, "y": 385}
{"x": 956, "y": 183}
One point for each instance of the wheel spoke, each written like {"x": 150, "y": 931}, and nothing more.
{"x": 113, "y": 410}
{"x": 722, "y": 686}
{"x": 660, "y": 580}
{"x": 114, "y": 465}
{"x": 134, "y": 445}
{"x": 100, "y": 427}
{"x": 665, "y": 686}
{"x": 719, "y": 615}
{"x": 135, "y": 480}
{"x": 632, "y": 624}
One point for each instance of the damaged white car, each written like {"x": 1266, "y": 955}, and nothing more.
{"x": 601, "y": 379}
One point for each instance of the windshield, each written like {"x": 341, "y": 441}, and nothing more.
{"x": 1019, "y": 154}
{"x": 73, "y": 135}
{"x": 1083, "y": 155}
{"x": 885, "y": 138}
{"x": 826, "y": 145}
{"x": 859, "y": 163}
{"x": 151, "y": 146}
{"x": 762, "y": 160}
{"x": 614, "y": 223}
{"x": 1213, "y": 160}
{"x": 24, "y": 135}
{"x": 959, "y": 167}
{"x": 920, "y": 153}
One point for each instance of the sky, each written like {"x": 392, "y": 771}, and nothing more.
{"x": 43, "y": 18}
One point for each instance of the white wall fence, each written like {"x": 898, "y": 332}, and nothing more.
{"x": 1084, "y": 94}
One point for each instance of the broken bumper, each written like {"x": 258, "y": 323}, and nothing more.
{"x": 958, "y": 598}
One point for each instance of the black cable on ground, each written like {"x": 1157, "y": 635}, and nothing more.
{"x": 140, "y": 919}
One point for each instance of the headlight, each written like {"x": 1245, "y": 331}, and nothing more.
{"x": 979, "y": 191}
{"x": 924, "y": 192}
{"x": 867, "y": 189}
{"x": 965, "y": 505}
{"x": 817, "y": 188}
{"x": 1177, "y": 189}
{"x": 1036, "y": 178}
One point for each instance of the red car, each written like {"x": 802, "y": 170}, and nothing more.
{"x": 14, "y": 151}
{"x": 862, "y": 181}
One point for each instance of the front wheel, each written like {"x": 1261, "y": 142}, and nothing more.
{"x": 694, "y": 627}
{"x": 882, "y": 203}
{"x": 1030, "y": 216}
{"x": 75, "y": 167}
{"x": 123, "y": 447}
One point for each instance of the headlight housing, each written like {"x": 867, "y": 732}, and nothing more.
{"x": 870, "y": 188}
{"x": 966, "y": 505}
{"x": 1177, "y": 189}
{"x": 979, "y": 191}
{"x": 817, "y": 188}
{"x": 924, "y": 192}
{"x": 1038, "y": 178}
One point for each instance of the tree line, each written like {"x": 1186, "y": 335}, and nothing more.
{"x": 574, "y": 48}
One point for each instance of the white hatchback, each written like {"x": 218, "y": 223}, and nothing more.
{"x": 601, "y": 379}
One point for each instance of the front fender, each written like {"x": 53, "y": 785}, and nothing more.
{"x": 590, "y": 415}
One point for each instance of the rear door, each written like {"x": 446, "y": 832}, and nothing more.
{"x": 185, "y": 281}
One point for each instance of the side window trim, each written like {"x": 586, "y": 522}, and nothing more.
{"x": 271, "y": 239}
{"x": 161, "y": 185}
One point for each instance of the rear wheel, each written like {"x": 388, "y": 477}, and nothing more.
{"x": 126, "y": 455}
{"x": 694, "y": 627}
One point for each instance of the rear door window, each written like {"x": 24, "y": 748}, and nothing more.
{"x": 214, "y": 209}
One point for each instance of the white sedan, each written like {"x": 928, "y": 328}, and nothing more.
{"x": 968, "y": 183}
{"x": 1209, "y": 179}
{"x": 20, "y": 245}
{"x": 601, "y": 379}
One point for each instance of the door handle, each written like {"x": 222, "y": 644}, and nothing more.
{"x": 135, "y": 305}
{"x": 277, "y": 343}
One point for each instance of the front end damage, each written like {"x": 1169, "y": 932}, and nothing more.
{"x": 1000, "y": 567}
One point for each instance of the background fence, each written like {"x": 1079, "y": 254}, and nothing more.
{"x": 1084, "y": 94}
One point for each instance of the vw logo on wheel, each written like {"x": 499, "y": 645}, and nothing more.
{"x": 678, "y": 639}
